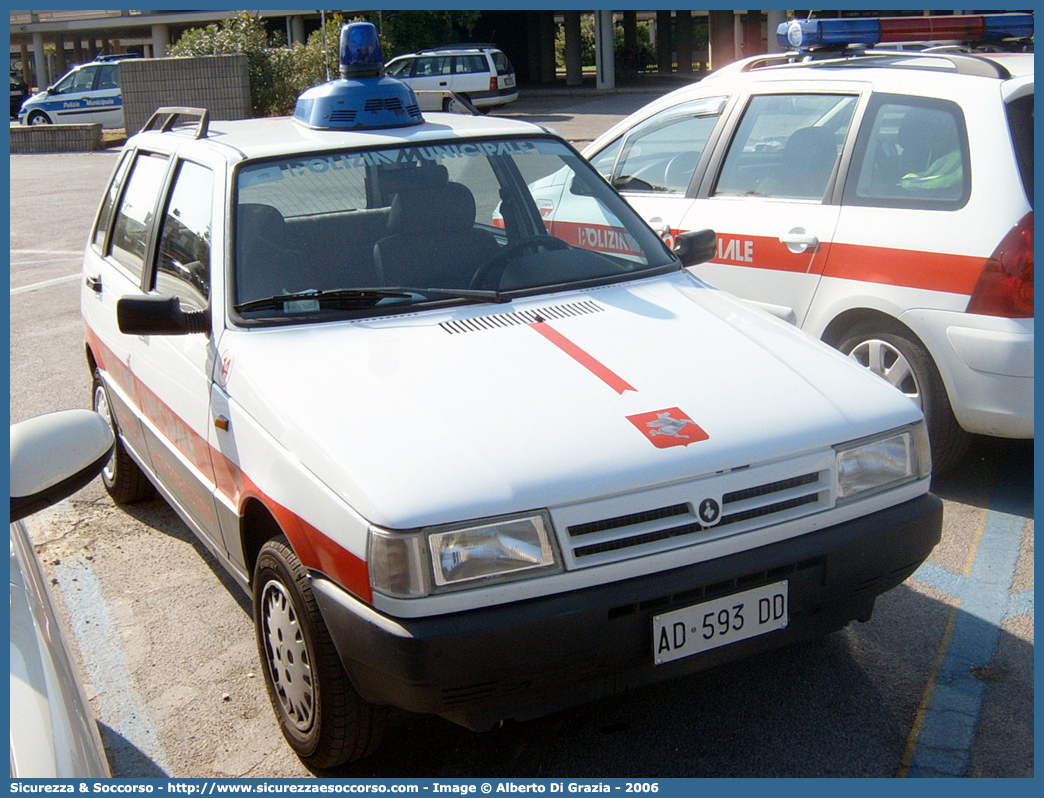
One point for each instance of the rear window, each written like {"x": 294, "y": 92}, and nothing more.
{"x": 500, "y": 61}
{"x": 1020, "y": 122}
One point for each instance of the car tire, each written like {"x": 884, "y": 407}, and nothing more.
{"x": 124, "y": 480}
{"x": 321, "y": 715}
{"x": 903, "y": 361}
{"x": 38, "y": 118}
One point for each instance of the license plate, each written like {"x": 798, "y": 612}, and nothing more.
{"x": 509, "y": 82}
{"x": 690, "y": 630}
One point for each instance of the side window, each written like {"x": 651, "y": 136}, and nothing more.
{"x": 431, "y": 65}
{"x": 83, "y": 80}
{"x": 662, "y": 153}
{"x": 101, "y": 228}
{"x": 400, "y": 69}
{"x": 910, "y": 153}
{"x": 130, "y": 234}
{"x": 109, "y": 77}
{"x": 786, "y": 146}
{"x": 183, "y": 265}
{"x": 605, "y": 159}
{"x": 467, "y": 64}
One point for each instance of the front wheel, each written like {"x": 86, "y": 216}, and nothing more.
{"x": 902, "y": 361}
{"x": 122, "y": 477}
{"x": 38, "y": 118}
{"x": 321, "y": 716}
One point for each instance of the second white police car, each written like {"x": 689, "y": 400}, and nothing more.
{"x": 463, "y": 466}
{"x": 881, "y": 200}
{"x": 87, "y": 93}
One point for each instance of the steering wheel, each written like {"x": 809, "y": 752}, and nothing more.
{"x": 490, "y": 272}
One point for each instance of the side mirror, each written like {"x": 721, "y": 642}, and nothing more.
{"x": 54, "y": 455}
{"x": 158, "y": 315}
{"x": 696, "y": 247}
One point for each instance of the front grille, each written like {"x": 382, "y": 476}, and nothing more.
{"x": 745, "y": 499}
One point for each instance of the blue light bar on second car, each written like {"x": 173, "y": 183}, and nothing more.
{"x": 806, "y": 34}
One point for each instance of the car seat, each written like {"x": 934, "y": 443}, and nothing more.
{"x": 432, "y": 241}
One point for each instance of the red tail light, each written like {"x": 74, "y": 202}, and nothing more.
{"x": 493, "y": 83}
{"x": 1005, "y": 287}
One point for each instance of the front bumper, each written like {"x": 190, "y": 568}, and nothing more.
{"x": 530, "y": 658}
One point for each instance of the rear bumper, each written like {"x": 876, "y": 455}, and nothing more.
{"x": 986, "y": 363}
{"x": 531, "y": 658}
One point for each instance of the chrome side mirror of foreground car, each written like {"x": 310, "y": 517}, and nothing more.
{"x": 54, "y": 455}
{"x": 159, "y": 315}
{"x": 696, "y": 247}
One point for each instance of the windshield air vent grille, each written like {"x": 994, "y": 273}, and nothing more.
{"x": 522, "y": 317}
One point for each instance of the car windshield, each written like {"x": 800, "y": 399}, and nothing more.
{"x": 367, "y": 232}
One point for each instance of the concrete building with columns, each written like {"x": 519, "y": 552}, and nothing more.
{"x": 45, "y": 44}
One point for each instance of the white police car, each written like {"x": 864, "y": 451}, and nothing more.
{"x": 880, "y": 200}
{"x": 463, "y": 466}
{"x": 87, "y": 93}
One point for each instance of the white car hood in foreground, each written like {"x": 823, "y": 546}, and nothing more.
{"x": 443, "y": 416}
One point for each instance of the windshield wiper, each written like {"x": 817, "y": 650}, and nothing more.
{"x": 365, "y": 297}
{"x": 475, "y": 294}
{"x": 356, "y": 297}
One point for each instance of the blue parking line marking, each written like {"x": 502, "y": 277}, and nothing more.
{"x": 120, "y": 707}
{"x": 944, "y": 735}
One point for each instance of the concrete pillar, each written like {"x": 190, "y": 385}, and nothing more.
{"x": 632, "y": 61}
{"x": 547, "y": 47}
{"x": 160, "y": 40}
{"x": 664, "y": 48}
{"x": 27, "y": 71}
{"x": 42, "y": 78}
{"x": 753, "y": 38}
{"x": 776, "y": 17}
{"x": 722, "y": 35}
{"x": 605, "y": 67}
{"x": 573, "y": 57}
{"x": 61, "y": 65}
{"x": 297, "y": 31}
{"x": 684, "y": 43}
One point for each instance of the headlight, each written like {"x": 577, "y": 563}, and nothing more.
{"x": 415, "y": 564}
{"x": 875, "y": 464}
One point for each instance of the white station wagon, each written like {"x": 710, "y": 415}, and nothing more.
{"x": 463, "y": 466}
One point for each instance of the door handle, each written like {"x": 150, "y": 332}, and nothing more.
{"x": 798, "y": 240}
{"x": 94, "y": 283}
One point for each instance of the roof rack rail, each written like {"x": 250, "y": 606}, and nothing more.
{"x": 459, "y": 46}
{"x": 962, "y": 63}
{"x": 164, "y": 119}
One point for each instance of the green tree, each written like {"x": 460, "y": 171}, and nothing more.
{"x": 587, "y": 44}
{"x": 270, "y": 68}
{"x": 406, "y": 31}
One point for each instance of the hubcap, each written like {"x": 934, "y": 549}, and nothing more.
{"x": 887, "y": 362}
{"x": 288, "y": 660}
{"x": 101, "y": 407}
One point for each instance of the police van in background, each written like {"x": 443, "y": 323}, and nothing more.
{"x": 87, "y": 93}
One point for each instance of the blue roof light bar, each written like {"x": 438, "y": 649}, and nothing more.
{"x": 806, "y": 34}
